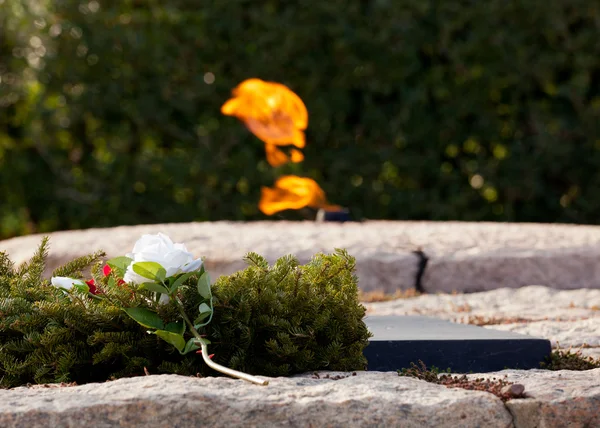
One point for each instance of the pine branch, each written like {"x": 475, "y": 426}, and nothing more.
{"x": 256, "y": 260}
{"x": 33, "y": 270}
{"x": 74, "y": 268}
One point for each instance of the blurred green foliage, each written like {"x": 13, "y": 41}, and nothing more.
{"x": 109, "y": 111}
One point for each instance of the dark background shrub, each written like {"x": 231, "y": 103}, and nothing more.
{"x": 109, "y": 111}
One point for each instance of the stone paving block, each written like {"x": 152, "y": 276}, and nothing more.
{"x": 368, "y": 399}
{"x": 554, "y": 399}
{"x": 463, "y": 257}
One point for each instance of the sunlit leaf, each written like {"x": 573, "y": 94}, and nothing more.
{"x": 174, "y": 339}
{"x": 120, "y": 264}
{"x": 150, "y": 270}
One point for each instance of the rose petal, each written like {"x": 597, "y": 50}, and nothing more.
{"x": 159, "y": 248}
{"x": 106, "y": 270}
{"x": 192, "y": 266}
{"x": 92, "y": 286}
{"x": 143, "y": 242}
{"x": 210, "y": 356}
{"x": 64, "y": 282}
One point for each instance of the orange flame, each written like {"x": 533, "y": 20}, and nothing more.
{"x": 270, "y": 110}
{"x": 293, "y": 192}
{"x": 277, "y": 157}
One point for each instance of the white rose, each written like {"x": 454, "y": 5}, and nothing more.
{"x": 174, "y": 258}
{"x": 65, "y": 282}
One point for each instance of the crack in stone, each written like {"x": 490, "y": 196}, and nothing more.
{"x": 422, "y": 265}
{"x": 513, "y": 417}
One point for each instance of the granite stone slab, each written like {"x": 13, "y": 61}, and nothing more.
{"x": 391, "y": 255}
{"x": 568, "y": 318}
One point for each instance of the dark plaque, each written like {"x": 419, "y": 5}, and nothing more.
{"x": 399, "y": 340}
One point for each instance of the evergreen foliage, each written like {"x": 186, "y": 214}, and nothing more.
{"x": 289, "y": 318}
{"x": 270, "y": 321}
{"x": 49, "y": 336}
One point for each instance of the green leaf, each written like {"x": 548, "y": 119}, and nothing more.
{"x": 204, "y": 285}
{"x": 200, "y": 318}
{"x": 145, "y": 317}
{"x": 205, "y": 312}
{"x": 153, "y": 286}
{"x": 180, "y": 281}
{"x": 150, "y": 270}
{"x": 174, "y": 339}
{"x": 81, "y": 287}
{"x": 190, "y": 346}
{"x": 176, "y": 327}
{"x": 204, "y": 309}
{"x": 120, "y": 264}
{"x": 198, "y": 321}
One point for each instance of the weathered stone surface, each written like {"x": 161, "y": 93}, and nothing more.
{"x": 513, "y": 390}
{"x": 367, "y": 399}
{"x": 475, "y": 256}
{"x": 389, "y": 266}
{"x": 532, "y": 303}
{"x": 565, "y": 317}
{"x": 591, "y": 352}
{"x": 462, "y": 256}
{"x": 561, "y": 333}
{"x": 555, "y": 399}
